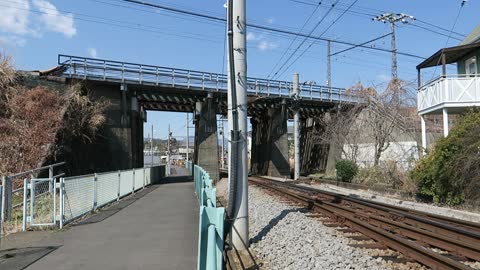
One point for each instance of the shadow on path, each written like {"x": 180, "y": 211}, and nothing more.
{"x": 176, "y": 179}
{"x": 110, "y": 210}
{"x": 21, "y": 258}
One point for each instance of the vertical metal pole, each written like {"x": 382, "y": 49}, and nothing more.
{"x": 424, "y": 134}
{"x": 329, "y": 65}
{"x": 4, "y": 201}
{"x": 95, "y": 192}
{"x": 151, "y": 148}
{"x": 445, "y": 122}
{"x": 119, "y": 184}
{"x": 240, "y": 237}
{"x": 54, "y": 201}
{"x": 133, "y": 182}
{"x": 50, "y": 176}
{"x": 32, "y": 199}
{"x": 296, "y": 127}
{"x": 223, "y": 143}
{"x": 168, "y": 151}
{"x": 25, "y": 194}
{"x": 62, "y": 201}
{"x": 188, "y": 143}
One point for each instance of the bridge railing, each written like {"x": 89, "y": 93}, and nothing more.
{"x": 124, "y": 72}
{"x": 211, "y": 230}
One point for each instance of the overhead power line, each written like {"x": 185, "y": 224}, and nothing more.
{"x": 305, "y": 38}
{"x": 262, "y": 27}
{"x": 441, "y": 28}
{"x": 448, "y": 38}
{"x": 433, "y": 31}
{"x": 329, "y": 41}
{"x": 364, "y": 43}
{"x": 293, "y": 41}
{"x": 368, "y": 13}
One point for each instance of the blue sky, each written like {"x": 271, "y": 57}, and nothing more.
{"x": 34, "y": 32}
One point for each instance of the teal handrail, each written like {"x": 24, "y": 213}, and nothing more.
{"x": 210, "y": 229}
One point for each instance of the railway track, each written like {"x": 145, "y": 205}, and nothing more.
{"x": 433, "y": 240}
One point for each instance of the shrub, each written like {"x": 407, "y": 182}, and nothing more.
{"x": 450, "y": 173}
{"x": 346, "y": 170}
{"x": 388, "y": 175}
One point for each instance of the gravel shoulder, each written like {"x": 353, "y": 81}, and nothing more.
{"x": 282, "y": 236}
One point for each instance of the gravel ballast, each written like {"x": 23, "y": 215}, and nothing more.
{"x": 283, "y": 237}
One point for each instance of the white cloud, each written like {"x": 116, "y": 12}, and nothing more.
{"x": 271, "y": 20}
{"x": 251, "y": 36}
{"x": 92, "y": 52}
{"x": 13, "y": 41}
{"x": 15, "y": 18}
{"x": 53, "y": 20}
{"x": 18, "y": 22}
{"x": 265, "y": 45}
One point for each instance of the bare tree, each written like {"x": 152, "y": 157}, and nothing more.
{"x": 377, "y": 120}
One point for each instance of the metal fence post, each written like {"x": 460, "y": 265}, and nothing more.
{"x": 133, "y": 182}
{"x": 50, "y": 176}
{"x": 6, "y": 198}
{"x": 62, "y": 201}
{"x": 119, "y": 182}
{"x": 25, "y": 194}
{"x": 1, "y": 222}
{"x": 144, "y": 177}
{"x": 95, "y": 193}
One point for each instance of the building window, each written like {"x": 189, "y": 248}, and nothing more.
{"x": 471, "y": 66}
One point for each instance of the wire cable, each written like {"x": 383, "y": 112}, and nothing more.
{"x": 305, "y": 39}
{"x": 328, "y": 28}
{"x": 265, "y": 28}
{"x": 295, "y": 39}
{"x": 448, "y": 39}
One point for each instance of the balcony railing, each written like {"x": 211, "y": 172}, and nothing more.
{"x": 452, "y": 91}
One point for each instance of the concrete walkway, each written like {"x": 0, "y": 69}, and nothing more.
{"x": 158, "y": 230}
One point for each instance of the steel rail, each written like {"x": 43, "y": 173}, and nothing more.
{"x": 383, "y": 230}
{"x": 454, "y": 228}
{"x": 470, "y": 225}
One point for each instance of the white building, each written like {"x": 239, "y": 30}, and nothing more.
{"x": 450, "y": 93}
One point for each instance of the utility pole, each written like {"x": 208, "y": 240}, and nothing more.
{"x": 151, "y": 147}
{"x": 296, "y": 125}
{"x": 392, "y": 19}
{"x": 168, "y": 150}
{"x": 188, "y": 139}
{"x": 329, "y": 64}
{"x": 238, "y": 80}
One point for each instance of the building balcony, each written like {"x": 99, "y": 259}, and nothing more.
{"x": 455, "y": 92}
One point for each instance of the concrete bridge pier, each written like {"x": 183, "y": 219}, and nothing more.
{"x": 119, "y": 142}
{"x": 269, "y": 152}
{"x": 206, "y": 138}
